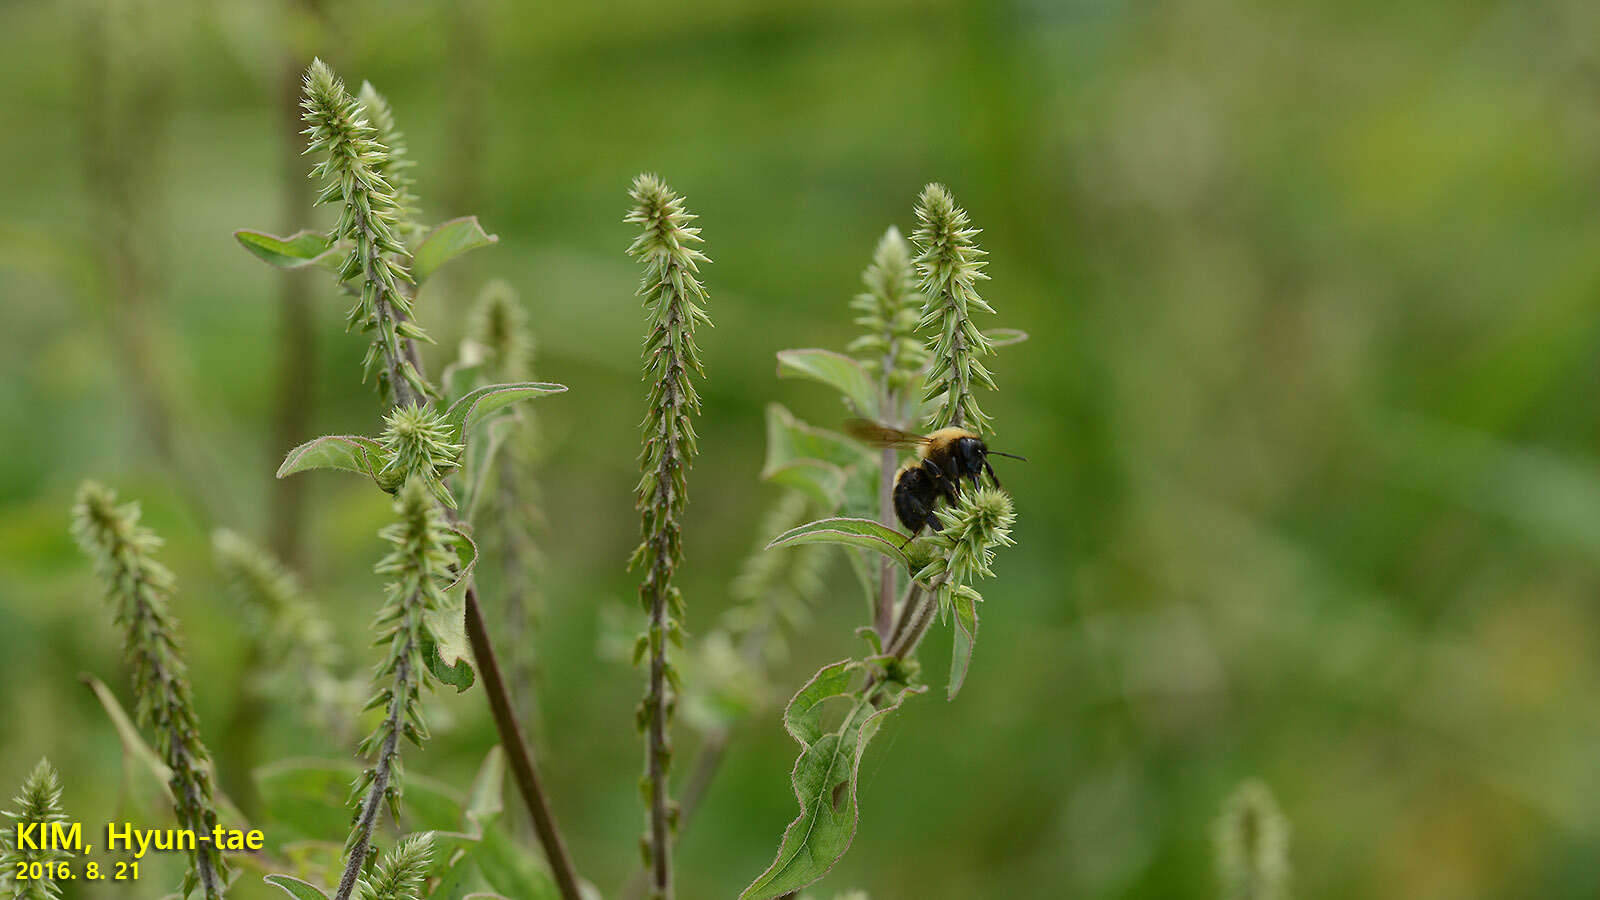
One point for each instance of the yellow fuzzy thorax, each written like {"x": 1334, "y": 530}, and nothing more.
{"x": 939, "y": 442}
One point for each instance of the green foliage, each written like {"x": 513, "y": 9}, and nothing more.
{"x": 674, "y": 301}
{"x": 863, "y": 533}
{"x": 370, "y": 220}
{"x": 401, "y": 873}
{"x": 138, "y": 588}
{"x": 890, "y": 308}
{"x": 296, "y": 888}
{"x": 445, "y": 242}
{"x": 830, "y": 468}
{"x": 835, "y": 370}
{"x": 298, "y": 250}
{"x": 1252, "y": 842}
{"x": 951, "y": 265}
{"x": 826, "y": 774}
{"x": 39, "y": 800}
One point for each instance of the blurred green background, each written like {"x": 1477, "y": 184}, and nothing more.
{"x": 1314, "y": 292}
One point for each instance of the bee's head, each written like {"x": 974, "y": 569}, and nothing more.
{"x": 969, "y": 453}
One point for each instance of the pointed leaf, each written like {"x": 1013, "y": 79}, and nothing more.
{"x": 825, "y": 775}
{"x": 446, "y": 242}
{"x": 132, "y": 742}
{"x": 513, "y": 872}
{"x": 835, "y": 370}
{"x": 448, "y": 654}
{"x": 477, "y": 405}
{"x": 306, "y": 797}
{"x": 1005, "y": 337}
{"x": 349, "y": 452}
{"x": 486, "y": 800}
{"x": 966, "y": 636}
{"x": 853, "y": 532}
{"x": 303, "y": 248}
{"x": 789, "y": 439}
{"x": 296, "y": 888}
{"x": 821, "y": 481}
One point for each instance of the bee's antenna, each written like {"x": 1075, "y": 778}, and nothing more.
{"x": 1009, "y": 456}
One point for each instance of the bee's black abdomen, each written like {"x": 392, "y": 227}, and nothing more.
{"x": 914, "y": 497}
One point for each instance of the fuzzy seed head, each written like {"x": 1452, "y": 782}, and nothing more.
{"x": 299, "y": 651}
{"x": 890, "y": 309}
{"x": 397, "y": 168}
{"x": 1252, "y": 840}
{"x": 674, "y": 301}
{"x": 501, "y": 324}
{"x": 353, "y": 172}
{"x": 138, "y": 589}
{"x": 951, "y": 265}
{"x": 417, "y": 444}
{"x": 402, "y": 872}
{"x": 39, "y": 800}
{"x": 965, "y": 545}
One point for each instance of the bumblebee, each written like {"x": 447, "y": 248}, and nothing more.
{"x": 944, "y": 458}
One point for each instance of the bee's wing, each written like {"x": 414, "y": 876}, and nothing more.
{"x": 871, "y": 432}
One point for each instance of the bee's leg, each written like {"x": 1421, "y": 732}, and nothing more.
{"x": 909, "y": 538}
{"x": 948, "y": 487}
{"x": 990, "y": 469}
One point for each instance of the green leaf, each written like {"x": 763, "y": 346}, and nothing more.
{"x": 486, "y": 800}
{"x": 966, "y": 636}
{"x": 1005, "y": 337}
{"x": 296, "y": 888}
{"x": 132, "y": 742}
{"x": 852, "y": 532}
{"x": 511, "y": 871}
{"x": 303, "y": 248}
{"x": 826, "y": 774}
{"x": 821, "y": 481}
{"x": 789, "y": 439}
{"x": 836, "y": 370}
{"x": 307, "y": 796}
{"x": 449, "y": 654}
{"x": 430, "y": 804}
{"x": 348, "y": 452}
{"x": 446, "y": 242}
{"x": 479, "y": 404}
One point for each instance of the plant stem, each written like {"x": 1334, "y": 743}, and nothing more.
{"x": 521, "y": 761}
{"x": 387, "y": 752}
{"x": 883, "y": 612}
